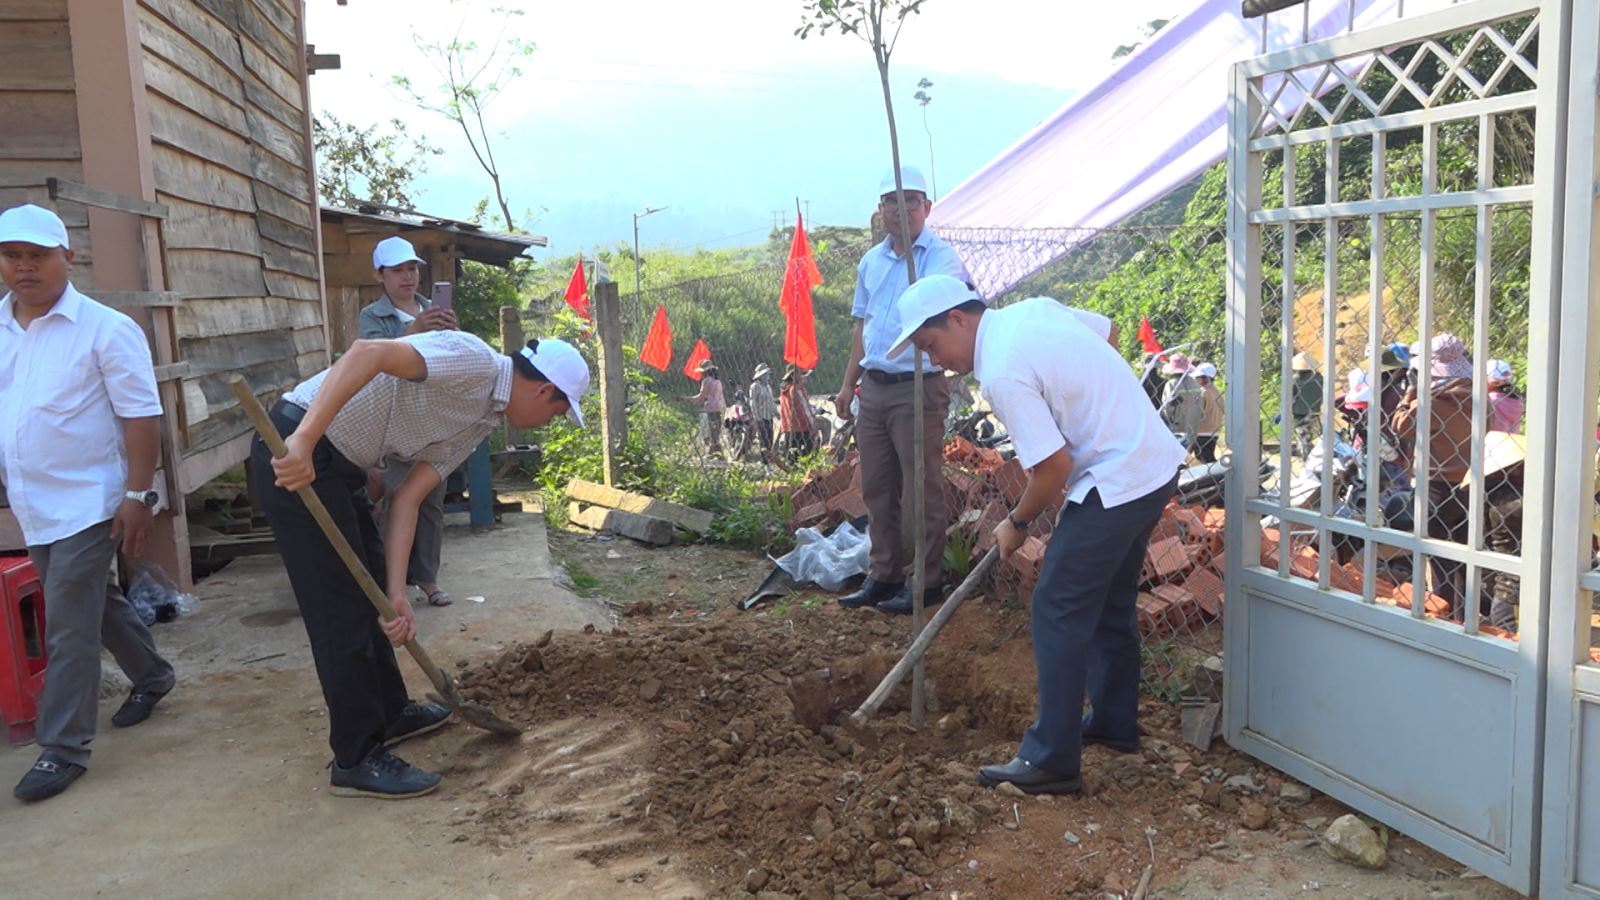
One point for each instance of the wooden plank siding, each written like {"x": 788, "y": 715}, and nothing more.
{"x": 38, "y": 104}
{"x": 226, "y": 112}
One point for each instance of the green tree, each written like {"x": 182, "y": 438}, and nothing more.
{"x": 471, "y": 78}
{"x": 356, "y": 164}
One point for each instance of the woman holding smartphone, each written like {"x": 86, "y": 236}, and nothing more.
{"x": 399, "y": 312}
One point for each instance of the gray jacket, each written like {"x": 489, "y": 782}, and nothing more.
{"x": 380, "y": 320}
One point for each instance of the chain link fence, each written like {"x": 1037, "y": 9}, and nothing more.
{"x": 1174, "y": 277}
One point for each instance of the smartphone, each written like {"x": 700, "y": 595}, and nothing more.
{"x": 443, "y": 295}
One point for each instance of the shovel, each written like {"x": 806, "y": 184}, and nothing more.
{"x": 448, "y": 695}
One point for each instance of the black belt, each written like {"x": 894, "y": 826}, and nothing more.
{"x": 290, "y": 411}
{"x": 899, "y": 377}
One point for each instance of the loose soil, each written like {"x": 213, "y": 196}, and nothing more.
{"x": 716, "y": 740}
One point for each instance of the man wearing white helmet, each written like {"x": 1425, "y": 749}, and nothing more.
{"x": 1083, "y": 432}
{"x": 428, "y": 399}
{"x": 79, "y": 437}
{"x": 885, "y": 430}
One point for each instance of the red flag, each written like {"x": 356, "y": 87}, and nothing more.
{"x": 800, "y": 325}
{"x": 578, "y": 292}
{"x": 701, "y": 353}
{"x": 1147, "y": 336}
{"x": 657, "y": 351}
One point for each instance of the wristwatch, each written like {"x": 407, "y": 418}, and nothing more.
{"x": 1019, "y": 524}
{"x": 148, "y": 498}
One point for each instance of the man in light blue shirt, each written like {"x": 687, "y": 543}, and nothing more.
{"x": 885, "y": 431}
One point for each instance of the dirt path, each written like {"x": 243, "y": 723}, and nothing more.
{"x": 223, "y": 791}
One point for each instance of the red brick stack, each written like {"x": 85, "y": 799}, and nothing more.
{"x": 1182, "y": 578}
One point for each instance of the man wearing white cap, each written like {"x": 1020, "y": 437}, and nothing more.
{"x": 885, "y": 431}
{"x": 1080, "y": 424}
{"x": 1212, "y": 413}
{"x": 399, "y": 312}
{"x": 429, "y": 399}
{"x": 79, "y": 436}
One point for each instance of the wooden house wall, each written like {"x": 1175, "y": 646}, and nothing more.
{"x": 224, "y": 80}
{"x": 39, "y": 117}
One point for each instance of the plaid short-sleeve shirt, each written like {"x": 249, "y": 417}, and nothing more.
{"x": 438, "y": 420}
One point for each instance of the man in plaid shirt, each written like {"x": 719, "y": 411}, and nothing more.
{"x": 428, "y": 399}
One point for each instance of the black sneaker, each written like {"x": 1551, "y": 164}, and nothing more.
{"x": 416, "y": 719}
{"x": 137, "y": 707}
{"x": 872, "y": 593}
{"x": 900, "y": 603}
{"x": 382, "y": 775}
{"x": 48, "y": 777}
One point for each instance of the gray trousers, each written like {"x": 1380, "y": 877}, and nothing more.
{"x": 84, "y": 609}
{"x": 428, "y": 545}
{"x": 885, "y": 430}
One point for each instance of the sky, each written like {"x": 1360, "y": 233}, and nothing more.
{"x": 714, "y": 109}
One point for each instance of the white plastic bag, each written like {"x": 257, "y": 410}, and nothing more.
{"x": 828, "y": 561}
{"x": 154, "y": 596}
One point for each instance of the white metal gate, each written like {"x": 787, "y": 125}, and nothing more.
{"x": 1397, "y": 185}
{"x": 1570, "y": 837}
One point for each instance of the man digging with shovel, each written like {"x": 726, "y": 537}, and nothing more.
{"x": 430, "y": 399}
{"x": 1080, "y": 423}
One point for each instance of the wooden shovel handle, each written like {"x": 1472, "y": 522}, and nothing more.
{"x": 358, "y": 569}
{"x": 924, "y": 639}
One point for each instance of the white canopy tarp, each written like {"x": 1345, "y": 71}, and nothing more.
{"x": 1154, "y": 123}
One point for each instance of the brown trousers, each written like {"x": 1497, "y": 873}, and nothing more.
{"x": 885, "y": 430}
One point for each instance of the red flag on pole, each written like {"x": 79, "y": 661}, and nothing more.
{"x": 800, "y": 325}
{"x": 1147, "y": 336}
{"x": 578, "y": 292}
{"x": 657, "y": 350}
{"x": 701, "y": 353}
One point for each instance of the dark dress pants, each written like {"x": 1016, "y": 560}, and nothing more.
{"x": 355, "y": 662}
{"x": 1086, "y": 629}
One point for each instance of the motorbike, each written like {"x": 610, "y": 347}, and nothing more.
{"x": 738, "y": 426}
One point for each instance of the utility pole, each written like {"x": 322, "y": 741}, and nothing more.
{"x": 648, "y": 211}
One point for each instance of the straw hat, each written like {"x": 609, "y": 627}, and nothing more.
{"x": 761, "y": 370}
{"x": 1177, "y": 364}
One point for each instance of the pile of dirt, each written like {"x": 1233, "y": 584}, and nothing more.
{"x": 751, "y": 771}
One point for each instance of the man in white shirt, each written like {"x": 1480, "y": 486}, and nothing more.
{"x": 885, "y": 430}
{"x": 1079, "y": 422}
{"x": 428, "y": 399}
{"x": 80, "y": 433}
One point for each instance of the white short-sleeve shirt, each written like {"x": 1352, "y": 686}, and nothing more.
{"x": 1055, "y": 383}
{"x": 65, "y": 380}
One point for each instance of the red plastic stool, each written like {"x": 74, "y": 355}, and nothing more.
{"x": 22, "y": 652}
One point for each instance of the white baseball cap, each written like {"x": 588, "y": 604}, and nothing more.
{"x": 1206, "y": 369}
{"x": 927, "y": 298}
{"x": 392, "y": 251}
{"x": 1499, "y": 371}
{"x": 561, "y": 363}
{"x": 910, "y": 179}
{"x": 29, "y": 224}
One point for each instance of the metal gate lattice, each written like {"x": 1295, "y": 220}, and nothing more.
{"x": 1389, "y": 345}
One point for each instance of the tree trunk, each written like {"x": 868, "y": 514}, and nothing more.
{"x": 919, "y": 510}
